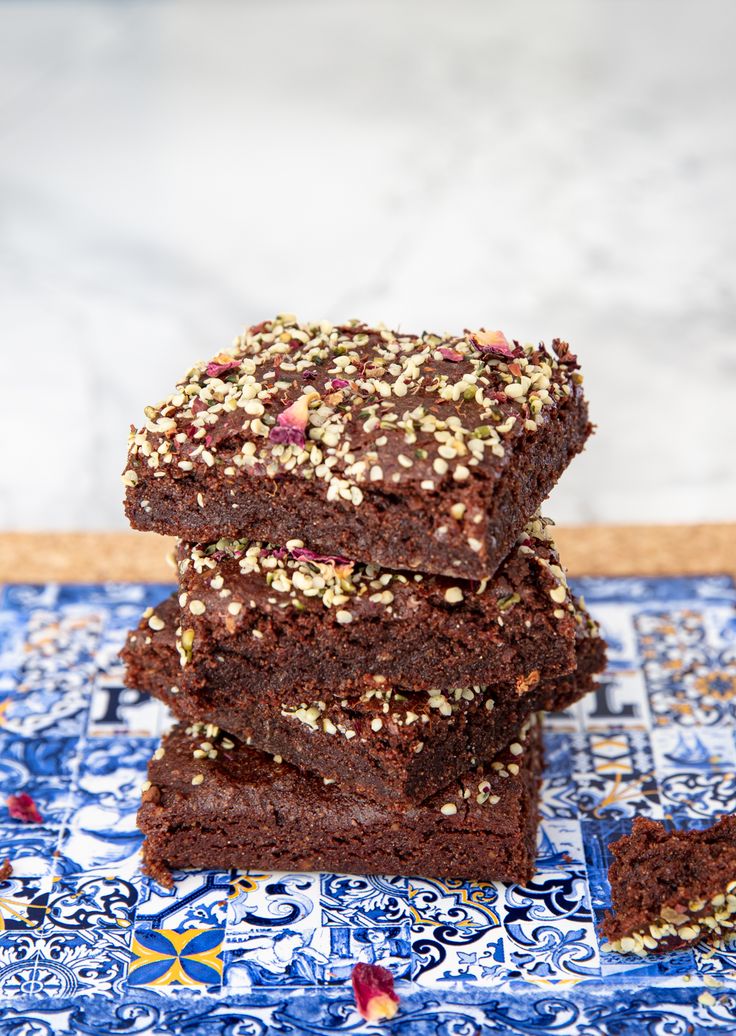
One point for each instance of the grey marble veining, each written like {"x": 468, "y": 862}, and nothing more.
{"x": 170, "y": 172}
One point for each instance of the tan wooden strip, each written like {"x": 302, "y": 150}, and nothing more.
{"x": 586, "y": 550}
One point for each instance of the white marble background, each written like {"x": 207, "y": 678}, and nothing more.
{"x": 171, "y": 171}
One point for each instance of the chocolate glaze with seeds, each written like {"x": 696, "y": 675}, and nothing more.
{"x": 424, "y": 452}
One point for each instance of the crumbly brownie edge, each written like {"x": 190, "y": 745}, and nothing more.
{"x": 236, "y": 823}
{"x": 671, "y": 888}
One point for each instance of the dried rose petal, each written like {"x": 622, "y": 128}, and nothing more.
{"x": 373, "y": 987}
{"x": 275, "y": 552}
{"x": 450, "y": 354}
{"x": 291, "y": 423}
{"x": 198, "y": 405}
{"x": 22, "y": 807}
{"x": 297, "y": 415}
{"x": 302, "y": 554}
{"x": 6, "y": 869}
{"x": 336, "y": 383}
{"x": 564, "y": 354}
{"x": 214, "y": 370}
{"x": 310, "y": 374}
{"x": 283, "y": 435}
{"x": 494, "y": 343}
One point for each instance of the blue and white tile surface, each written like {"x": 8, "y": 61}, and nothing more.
{"x": 90, "y": 945}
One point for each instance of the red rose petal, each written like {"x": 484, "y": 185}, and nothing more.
{"x": 494, "y": 343}
{"x": 283, "y": 435}
{"x": 22, "y": 807}
{"x": 214, "y": 370}
{"x": 565, "y": 354}
{"x": 302, "y": 554}
{"x": 373, "y": 987}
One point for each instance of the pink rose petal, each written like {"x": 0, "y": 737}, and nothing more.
{"x": 375, "y": 997}
{"x": 291, "y": 423}
{"x": 22, "y": 807}
{"x": 215, "y": 370}
{"x": 494, "y": 343}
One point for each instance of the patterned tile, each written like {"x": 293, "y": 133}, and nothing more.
{"x": 18, "y": 955}
{"x": 455, "y": 904}
{"x": 447, "y": 955}
{"x": 312, "y": 957}
{"x": 166, "y": 957}
{"x": 117, "y": 711}
{"x": 23, "y": 903}
{"x": 350, "y": 900}
{"x": 83, "y": 901}
{"x": 274, "y": 901}
{"x": 82, "y": 963}
{"x": 31, "y": 847}
{"x": 551, "y": 951}
{"x": 84, "y": 935}
{"x": 196, "y": 901}
{"x": 618, "y": 699}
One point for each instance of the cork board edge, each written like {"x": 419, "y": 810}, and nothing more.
{"x": 610, "y": 550}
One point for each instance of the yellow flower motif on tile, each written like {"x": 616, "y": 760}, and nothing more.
{"x": 246, "y": 883}
{"x": 167, "y": 958}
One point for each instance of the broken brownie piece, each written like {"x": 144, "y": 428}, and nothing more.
{"x": 387, "y": 743}
{"x": 266, "y": 619}
{"x": 423, "y": 452}
{"x": 671, "y": 888}
{"x": 231, "y": 806}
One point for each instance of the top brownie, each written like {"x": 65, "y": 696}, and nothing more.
{"x": 421, "y": 452}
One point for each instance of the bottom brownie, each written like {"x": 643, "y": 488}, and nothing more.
{"x": 231, "y": 806}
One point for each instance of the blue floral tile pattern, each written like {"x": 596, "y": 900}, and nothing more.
{"x": 89, "y": 945}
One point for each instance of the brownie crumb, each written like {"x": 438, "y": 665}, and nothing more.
{"x": 671, "y": 889}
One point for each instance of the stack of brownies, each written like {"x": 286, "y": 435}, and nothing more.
{"x": 371, "y": 613}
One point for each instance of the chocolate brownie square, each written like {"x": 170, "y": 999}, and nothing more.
{"x": 387, "y": 743}
{"x": 426, "y": 452}
{"x": 235, "y": 807}
{"x": 671, "y": 888}
{"x": 281, "y": 618}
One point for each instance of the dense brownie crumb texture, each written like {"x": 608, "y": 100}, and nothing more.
{"x": 209, "y": 798}
{"x": 286, "y": 618}
{"x": 671, "y": 888}
{"x": 414, "y": 451}
{"x": 387, "y": 742}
